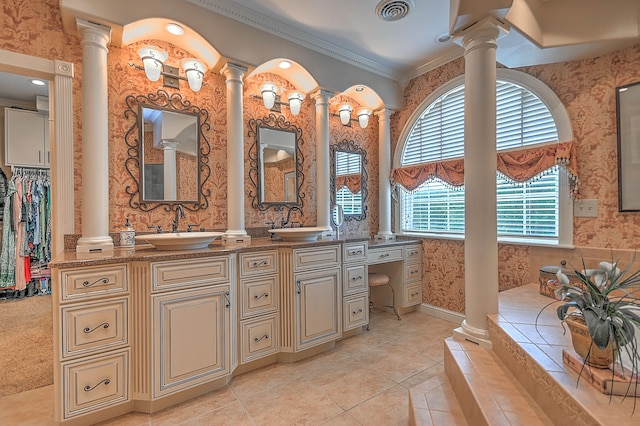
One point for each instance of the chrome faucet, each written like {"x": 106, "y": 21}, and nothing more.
{"x": 286, "y": 221}
{"x": 179, "y": 215}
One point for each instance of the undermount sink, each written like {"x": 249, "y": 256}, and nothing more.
{"x": 180, "y": 240}
{"x": 298, "y": 234}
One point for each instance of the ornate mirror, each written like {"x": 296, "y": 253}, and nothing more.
{"x": 276, "y": 163}
{"x": 168, "y": 153}
{"x": 349, "y": 179}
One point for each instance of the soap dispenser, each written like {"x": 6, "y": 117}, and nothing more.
{"x": 127, "y": 235}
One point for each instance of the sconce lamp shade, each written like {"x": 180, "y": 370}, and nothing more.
{"x": 363, "y": 117}
{"x": 345, "y": 113}
{"x": 152, "y": 59}
{"x": 194, "y": 70}
{"x": 269, "y": 91}
{"x": 295, "y": 101}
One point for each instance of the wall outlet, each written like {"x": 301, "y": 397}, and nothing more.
{"x": 585, "y": 208}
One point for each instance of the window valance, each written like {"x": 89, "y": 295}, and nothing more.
{"x": 353, "y": 182}
{"x": 518, "y": 165}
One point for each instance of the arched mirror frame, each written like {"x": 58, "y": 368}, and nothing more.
{"x": 275, "y": 123}
{"x": 349, "y": 146}
{"x": 134, "y": 140}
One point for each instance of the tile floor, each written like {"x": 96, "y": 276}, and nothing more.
{"x": 363, "y": 381}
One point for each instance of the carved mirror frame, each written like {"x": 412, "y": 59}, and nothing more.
{"x": 275, "y": 123}
{"x": 349, "y": 146}
{"x": 134, "y": 141}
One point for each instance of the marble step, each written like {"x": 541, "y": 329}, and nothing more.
{"x": 487, "y": 391}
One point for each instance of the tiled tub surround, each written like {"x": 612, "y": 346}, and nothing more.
{"x": 524, "y": 377}
{"x": 158, "y": 351}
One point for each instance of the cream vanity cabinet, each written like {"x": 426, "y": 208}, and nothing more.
{"x": 258, "y": 300}
{"x": 355, "y": 302}
{"x": 92, "y": 352}
{"x": 26, "y": 138}
{"x": 310, "y": 296}
{"x": 412, "y": 284}
{"x": 185, "y": 319}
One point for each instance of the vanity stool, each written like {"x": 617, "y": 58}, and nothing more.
{"x": 377, "y": 280}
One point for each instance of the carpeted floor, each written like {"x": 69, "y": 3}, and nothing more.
{"x": 26, "y": 344}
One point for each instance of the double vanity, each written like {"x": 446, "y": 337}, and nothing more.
{"x": 144, "y": 329}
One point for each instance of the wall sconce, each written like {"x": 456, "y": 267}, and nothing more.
{"x": 153, "y": 64}
{"x": 271, "y": 99}
{"x": 344, "y": 112}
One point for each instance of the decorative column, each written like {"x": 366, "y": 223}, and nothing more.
{"x": 235, "y": 155}
{"x": 384, "y": 172}
{"x": 95, "y": 139}
{"x": 170, "y": 170}
{"x": 481, "y": 241}
{"x": 323, "y": 191}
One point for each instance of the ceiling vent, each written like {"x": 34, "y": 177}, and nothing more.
{"x": 394, "y": 10}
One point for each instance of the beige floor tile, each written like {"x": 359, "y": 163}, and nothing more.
{"x": 196, "y": 407}
{"x": 34, "y": 407}
{"x": 397, "y": 363}
{"x": 344, "y": 419}
{"x": 274, "y": 375}
{"x": 355, "y": 386}
{"x": 444, "y": 418}
{"x": 435, "y": 371}
{"x": 231, "y": 415}
{"x": 295, "y": 402}
{"x": 388, "y": 408}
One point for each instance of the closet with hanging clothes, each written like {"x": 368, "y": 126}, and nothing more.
{"x": 26, "y": 234}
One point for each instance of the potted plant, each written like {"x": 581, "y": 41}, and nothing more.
{"x": 602, "y": 312}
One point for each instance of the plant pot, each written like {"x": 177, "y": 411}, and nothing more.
{"x": 590, "y": 353}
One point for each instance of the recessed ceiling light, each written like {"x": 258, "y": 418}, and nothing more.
{"x": 359, "y": 89}
{"x": 174, "y": 28}
{"x": 284, "y": 65}
{"x": 37, "y": 82}
{"x": 443, "y": 38}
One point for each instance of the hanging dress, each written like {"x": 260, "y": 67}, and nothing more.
{"x": 8, "y": 255}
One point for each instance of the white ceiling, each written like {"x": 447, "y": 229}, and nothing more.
{"x": 351, "y": 31}
{"x": 18, "y": 90}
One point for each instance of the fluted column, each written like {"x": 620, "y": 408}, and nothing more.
{"x": 170, "y": 181}
{"x": 481, "y": 241}
{"x": 323, "y": 191}
{"x": 384, "y": 172}
{"x": 235, "y": 152}
{"x": 95, "y": 139}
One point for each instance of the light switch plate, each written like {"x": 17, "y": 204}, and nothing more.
{"x": 585, "y": 208}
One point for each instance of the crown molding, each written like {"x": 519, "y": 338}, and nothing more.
{"x": 295, "y": 35}
{"x": 447, "y": 56}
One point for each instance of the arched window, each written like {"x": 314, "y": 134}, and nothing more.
{"x": 534, "y": 153}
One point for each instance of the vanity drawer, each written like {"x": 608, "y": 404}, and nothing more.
{"x": 188, "y": 273}
{"x": 316, "y": 257}
{"x": 413, "y": 253}
{"x": 95, "y": 383}
{"x": 355, "y": 311}
{"x": 354, "y": 252}
{"x": 80, "y": 283}
{"x": 258, "y": 295}
{"x": 412, "y": 294}
{"x": 259, "y": 338}
{"x": 354, "y": 279}
{"x": 412, "y": 272}
{"x": 380, "y": 255}
{"x": 259, "y": 263}
{"x": 94, "y": 326}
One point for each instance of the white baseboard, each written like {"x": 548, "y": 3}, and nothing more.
{"x": 445, "y": 314}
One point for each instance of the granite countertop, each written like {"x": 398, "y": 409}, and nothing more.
{"x": 399, "y": 241}
{"x": 146, "y": 252}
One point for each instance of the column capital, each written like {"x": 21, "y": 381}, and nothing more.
{"x": 170, "y": 145}
{"x": 233, "y": 71}
{"x": 93, "y": 33}
{"x": 384, "y": 114}
{"x": 321, "y": 96}
{"x": 485, "y": 31}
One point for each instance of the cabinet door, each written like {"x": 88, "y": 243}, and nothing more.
{"x": 318, "y": 307}
{"x": 25, "y": 138}
{"x": 191, "y": 338}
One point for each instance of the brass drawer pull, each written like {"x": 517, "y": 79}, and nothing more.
{"x": 261, "y": 263}
{"x": 383, "y": 255}
{"x": 256, "y": 339}
{"x": 227, "y": 300}
{"x": 90, "y": 388}
{"x": 265, "y": 294}
{"x": 357, "y": 312}
{"x": 354, "y": 252}
{"x": 358, "y": 278}
{"x": 88, "y": 330}
{"x": 88, "y": 284}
